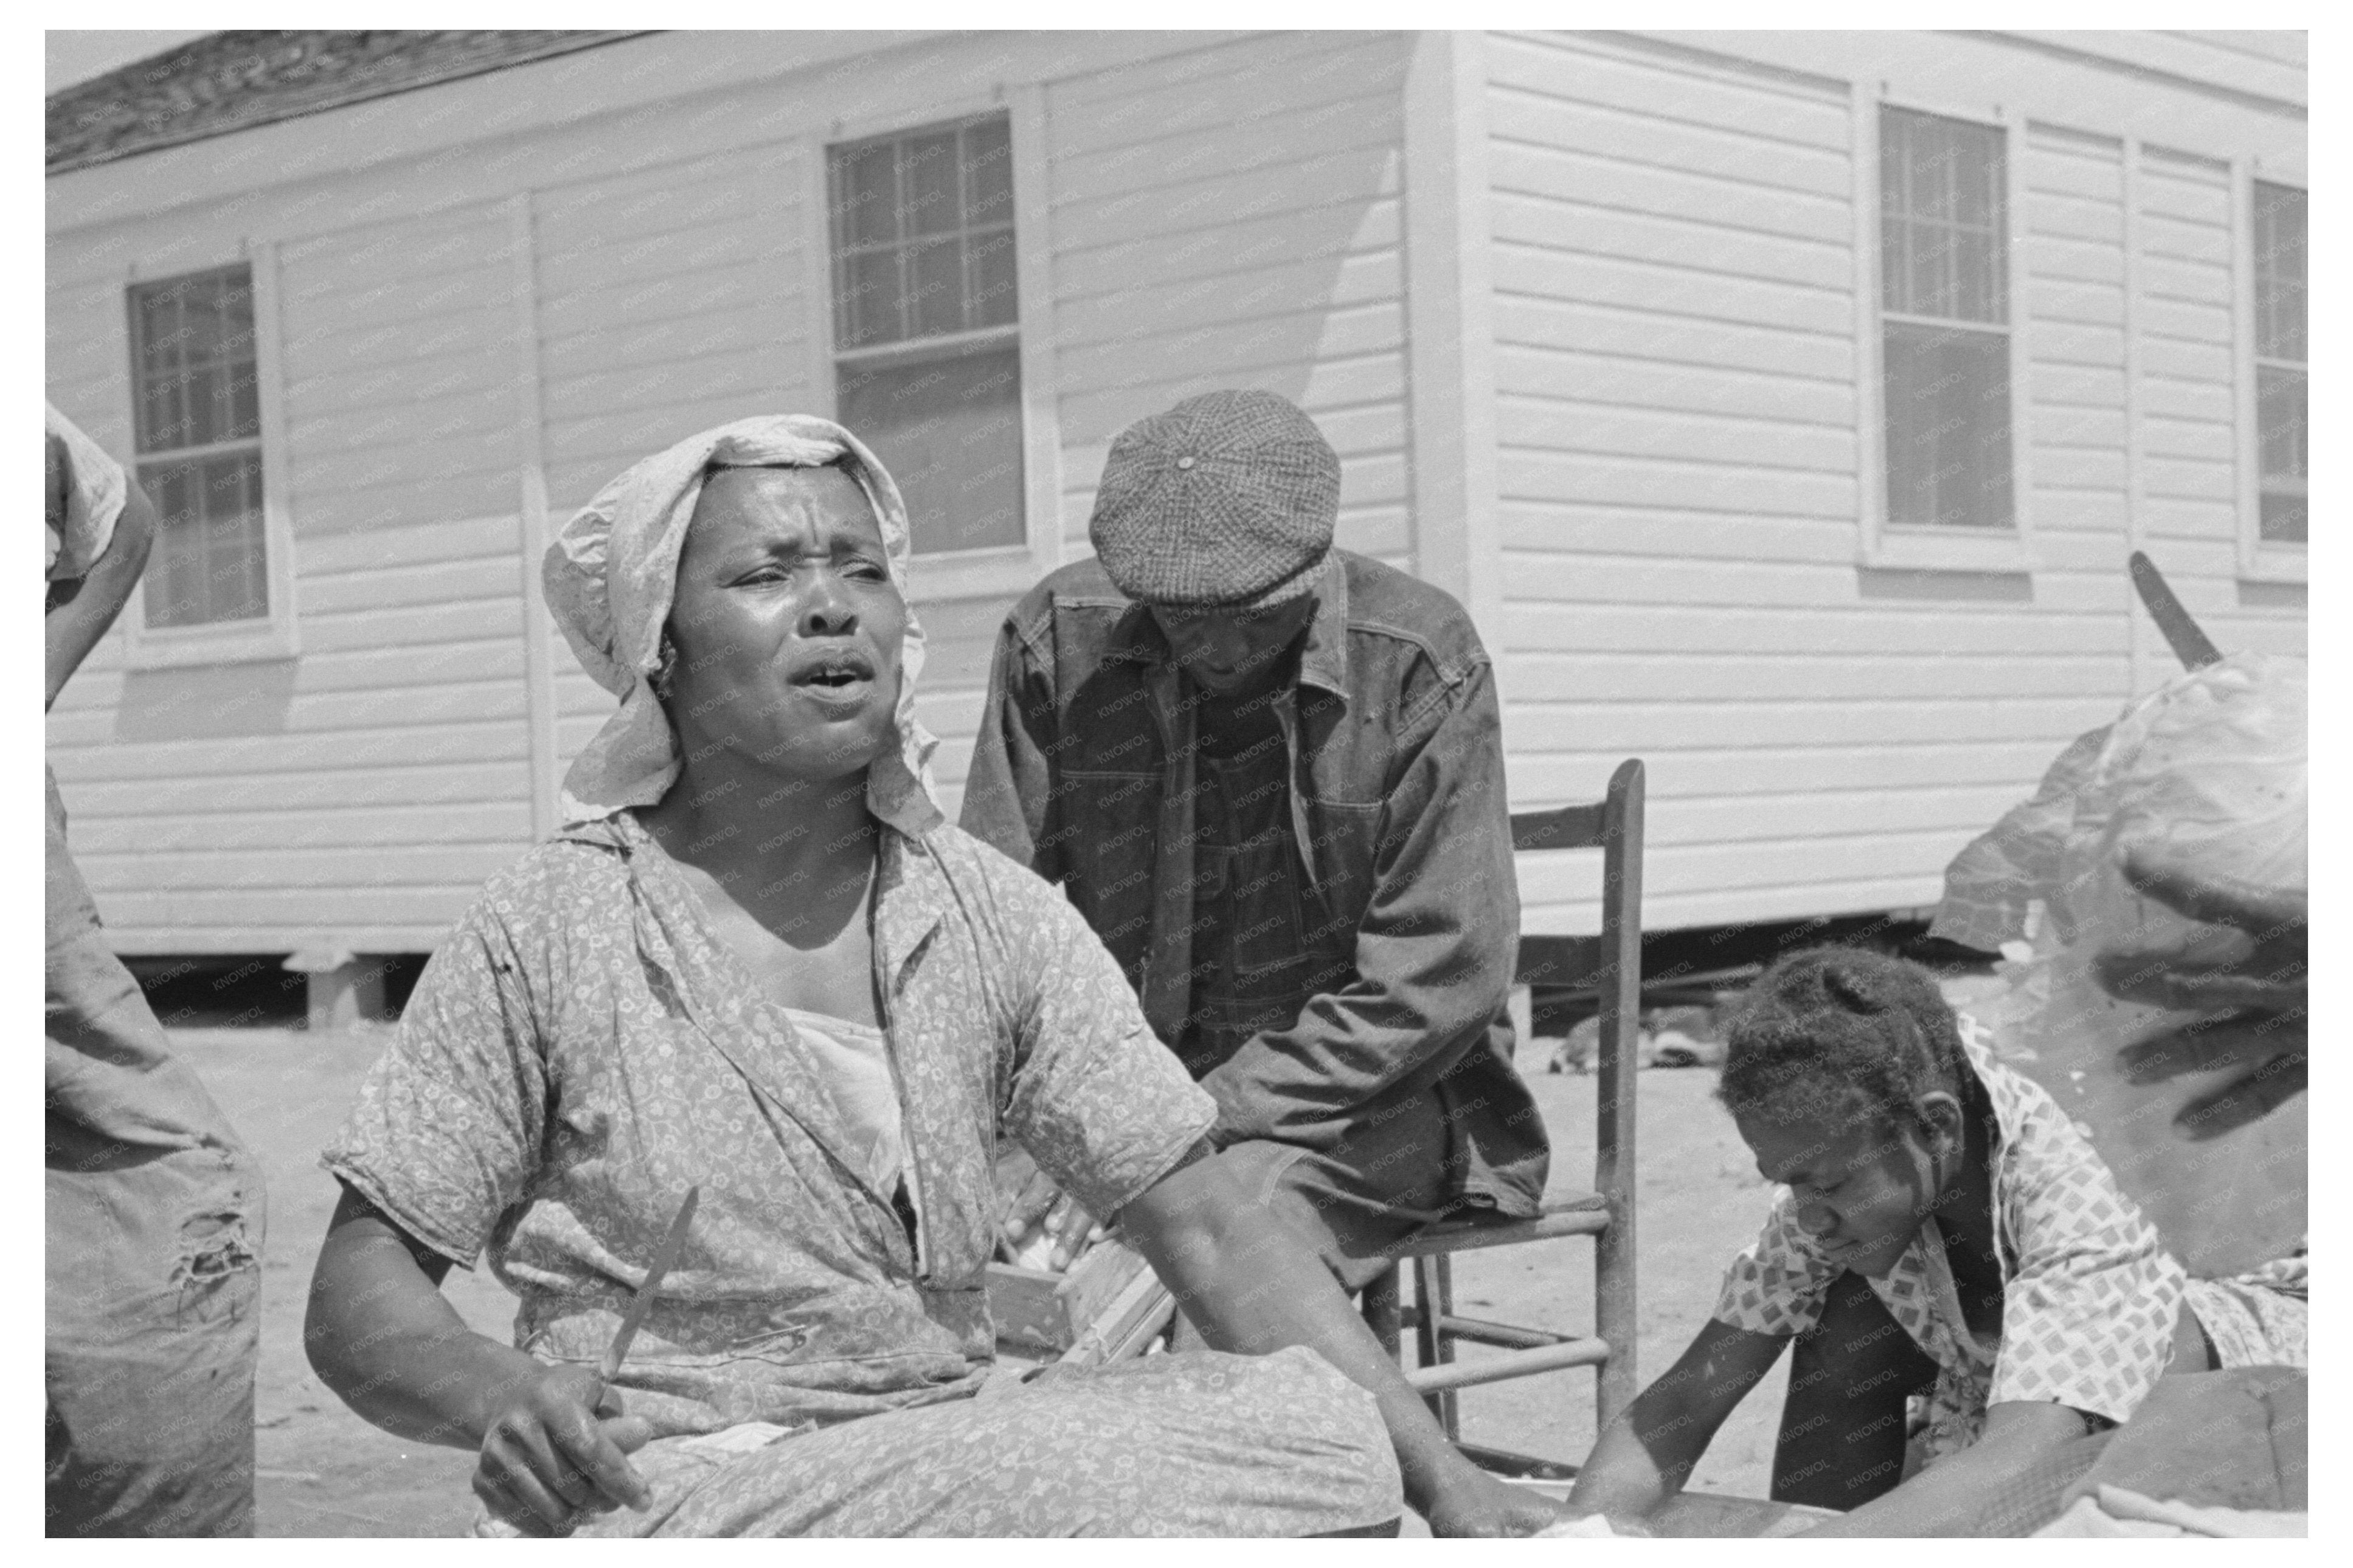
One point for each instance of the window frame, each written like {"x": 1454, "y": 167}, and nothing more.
{"x": 995, "y": 570}
{"x": 276, "y": 636}
{"x": 2260, "y": 559}
{"x": 1915, "y": 547}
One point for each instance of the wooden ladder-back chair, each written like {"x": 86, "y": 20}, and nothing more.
{"x": 1610, "y": 966}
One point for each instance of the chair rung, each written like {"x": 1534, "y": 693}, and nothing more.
{"x": 1459, "y": 1237}
{"x": 1502, "y": 1368}
{"x": 1503, "y": 1336}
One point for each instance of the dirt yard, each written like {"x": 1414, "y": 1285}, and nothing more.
{"x": 323, "y": 1471}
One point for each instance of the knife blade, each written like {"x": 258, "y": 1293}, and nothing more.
{"x": 2189, "y": 645}
{"x": 673, "y": 1242}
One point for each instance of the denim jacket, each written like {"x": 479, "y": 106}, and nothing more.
{"x": 1084, "y": 771}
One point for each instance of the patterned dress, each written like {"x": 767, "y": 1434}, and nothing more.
{"x": 585, "y": 1047}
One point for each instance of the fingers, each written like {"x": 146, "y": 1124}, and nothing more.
{"x": 2249, "y": 1100}
{"x": 599, "y": 1474}
{"x": 505, "y": 1505}
{"x": 2208, "y": 1047}
{"x": 2215, "y": 902}
{"x": 1074, "y": 1230}
{"x": 549, "y": 1460}
{"x": 507, "y": 1482}
{"x": 2154, "y": 977}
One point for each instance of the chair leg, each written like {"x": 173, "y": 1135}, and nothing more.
{"x": 1433, "y": 1291}
{"x": 1384, "y": 1311}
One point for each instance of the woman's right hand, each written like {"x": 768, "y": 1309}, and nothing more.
{"x": 556, "y": 1449}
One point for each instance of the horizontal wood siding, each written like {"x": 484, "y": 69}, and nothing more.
{"x": 359, "y": 793}
{"x": 1230, "y": 216}
{"x": 1678, "y": 408}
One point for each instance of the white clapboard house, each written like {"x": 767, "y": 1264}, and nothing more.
{"x": 1783, "y": 405}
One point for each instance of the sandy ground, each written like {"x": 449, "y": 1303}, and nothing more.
{"x": 323, "y": 1471}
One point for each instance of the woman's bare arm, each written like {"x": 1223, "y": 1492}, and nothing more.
{"x": 1250, "y": 1288}
{"x": 380, "y": 1334}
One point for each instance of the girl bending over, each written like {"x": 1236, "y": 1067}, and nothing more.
{"x": 1967, "y": 1287}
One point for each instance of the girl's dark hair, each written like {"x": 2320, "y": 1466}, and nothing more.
{"x": 1823, "y": 1027}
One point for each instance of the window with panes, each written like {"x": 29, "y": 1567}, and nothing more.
{"x": 926, "y": 335}
{"x": 2282, "y": 440}
{"x": 1944, "y": 321}
{"x": 198, "y": 426}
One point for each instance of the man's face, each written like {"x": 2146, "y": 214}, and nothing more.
{"x": 1238, "y": 650}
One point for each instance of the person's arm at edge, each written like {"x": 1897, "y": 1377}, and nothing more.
{"x": 1647, "y": 1453}
{"x": 1250, "y": 1289}
{"x": 1446, "y": 845}
{"x": 75, "y": 627}
{"x": 1949, "y": 1496}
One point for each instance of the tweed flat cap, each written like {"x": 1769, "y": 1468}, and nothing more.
{"x": 1228, "y": 498}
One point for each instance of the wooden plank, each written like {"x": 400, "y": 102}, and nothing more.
{"x": 386, "y": 587}
{"x": 135, "y": 798}
{"x": 1271, "y": 131}
{"x": 239, "y": 827}
{"x": 1598, "y": 725}
{"x": 570, "y": 322}
{"x": 323, "y": 751}
{"x": 1328, "y": 189}
{"x": 1674, "y": 675}
{"x": 1195, "y": 89}
{"x": 1337, "y": 282}
{"x": 1107, "y": 258}
{"x": 1684, "y": 297}
{"x": 491, "y": 536}
{"x": 290, "y": 911}
{"x": 1672, "y": 482}
{"x": 1722, "y": 201}
{"x": 1597, "y": 428}
{"x": 1564, "y": 66}
{"x": 2092, "y": 221}
{"x": 1693, "y": 243}
{"x": 1636, "y": 381}
{"x": 2082, "y": 260}
{"x": 1854, "y": 630}
{"x": 1798, "y": 767}
{"x": 1634, "y": 135}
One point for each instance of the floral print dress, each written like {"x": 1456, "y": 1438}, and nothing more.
{"x": 585, "y": 1047}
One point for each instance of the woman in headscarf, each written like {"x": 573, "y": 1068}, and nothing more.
{"x": 759, "y": 961}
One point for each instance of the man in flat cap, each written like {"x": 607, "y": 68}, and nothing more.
{"x": 1270, "y": 774}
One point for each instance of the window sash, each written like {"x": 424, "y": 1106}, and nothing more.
{"x": 1947, "y": 428}
{"x": 197, "y": 406}
{"x": 922, "y": 234}
{"x": 195, "y": 361}
{"x": 1943, "y": 218}
{"x": 211, "y": 556}
{"x": 2280, "y": 260}
{"x": 949, "y": 429}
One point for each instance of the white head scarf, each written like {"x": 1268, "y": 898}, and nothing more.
{"x": 95, "y": 493}
{"x": 613, "y": 569}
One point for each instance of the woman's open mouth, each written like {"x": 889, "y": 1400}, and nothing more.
{"x": 835, "y": 679}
